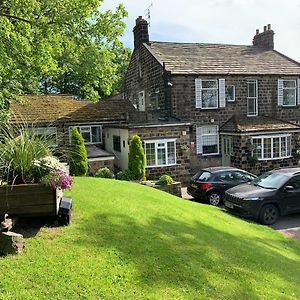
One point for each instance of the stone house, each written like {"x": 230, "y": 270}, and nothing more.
{"x": 107, "y": 128}
{"x": 54, "y": 116}
{"x": 242, "y": 102}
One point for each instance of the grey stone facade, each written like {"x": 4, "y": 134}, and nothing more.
{"x": 167, "y": 73}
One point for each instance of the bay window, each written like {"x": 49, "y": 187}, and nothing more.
{"x": 272, "y": 147}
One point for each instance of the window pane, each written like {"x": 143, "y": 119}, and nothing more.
{"x": 171, "y": 152}
{"x": 283, "y": 147}
{"x": 96, "y": 134}
{"x": 276, "y": 149}
{"x": 209, "y": 84}
{"x": 230, "y": 93}
{"x": 117, "y": 143}
{"x": 251, "y": 107}
{"x": 289, "y": 97}
{"x": 161, "y": 156}
{"x": 267, "y": 148}
{"x": 150, "y": 154}
{"x": 289, "y": 84}
{"x": 257, "y": 148}
{"x": 288, "y": 146}
{"x": 209, "y": 98}
{"x": 252, "y": 89}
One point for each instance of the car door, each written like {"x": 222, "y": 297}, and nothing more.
{"x": 225, "y": 180}
{"x": 243, "y": 177}
{"x": 290, "y": 198}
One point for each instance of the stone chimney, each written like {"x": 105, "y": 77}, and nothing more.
{"x": 140, "y": 32}
{"x": 265, "y": 39}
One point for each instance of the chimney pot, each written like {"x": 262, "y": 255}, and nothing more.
{"x": 269, "y": 26}
{"x": 265, "y": 28}
{"x": 257, "y": 31}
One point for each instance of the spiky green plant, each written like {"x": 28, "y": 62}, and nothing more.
{"x": 78, "y": 156}
{"x": 19, "y": 147}
{"x": 137, "y": 158}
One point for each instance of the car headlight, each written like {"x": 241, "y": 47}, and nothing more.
{"x": 252, "y": 198}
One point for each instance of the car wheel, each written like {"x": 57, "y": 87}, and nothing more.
{"x": 269, "y": 214}
{"x": 214, "y": 198}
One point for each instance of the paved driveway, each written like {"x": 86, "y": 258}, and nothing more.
{"x": 289, "y": 225}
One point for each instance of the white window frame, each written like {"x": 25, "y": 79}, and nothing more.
{"x": 88, "y": 129}
{"x": 209, "y": 89}
{"x": 252, "y": 98}
{"x": 272, "y": 137}
{"x": 288, "y": 88}
{"x": 165, "y": 142}
{"x": 230, "y": 100}
{"x": 210, "y": 134}
{"x": 46, "y": 131}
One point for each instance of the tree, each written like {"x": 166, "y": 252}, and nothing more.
{"x": 137, "y": 158}
{"x": 78, "y": 156}
{"x": 55, "y": 46}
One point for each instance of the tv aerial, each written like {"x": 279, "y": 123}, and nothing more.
{"x": 148, "y": 13}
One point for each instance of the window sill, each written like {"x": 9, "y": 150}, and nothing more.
{"x": 160, "y": 166}
{"x": 277, "y": 158}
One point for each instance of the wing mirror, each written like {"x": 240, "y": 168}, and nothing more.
{"x": 289, "y": 188}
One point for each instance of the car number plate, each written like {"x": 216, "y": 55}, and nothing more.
{"x": 194, "y": 186}
{"x": 228, "y": 204}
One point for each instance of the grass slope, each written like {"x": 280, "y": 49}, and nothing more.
{"x": 128, "y": 241}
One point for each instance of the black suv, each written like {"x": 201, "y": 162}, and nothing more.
{"x": 273, "y": 194}
{"x": 211, "y": 183}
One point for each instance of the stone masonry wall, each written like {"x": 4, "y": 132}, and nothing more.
{"x": 241, "y": 156}
{"x": 184, "y": 107}
{"x": 146, "y": 74}
{"x": 181, "y": 171}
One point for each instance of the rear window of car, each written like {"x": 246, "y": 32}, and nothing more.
{"x": 202, "y": 176}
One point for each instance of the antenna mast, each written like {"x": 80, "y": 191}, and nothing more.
{"x": 148, "y": 13}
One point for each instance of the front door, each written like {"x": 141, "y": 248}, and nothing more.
{"x": 226, "y": 150}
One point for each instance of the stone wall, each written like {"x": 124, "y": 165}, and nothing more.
{"x": 241, "y": 157}
{"x": 184, "y": 107}
{"x": 181, "y": 171}
{"x": 146, "y": 74}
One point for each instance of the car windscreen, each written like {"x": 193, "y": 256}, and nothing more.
{"x": 270, "y": 180}
{"x": 202, "y": 176}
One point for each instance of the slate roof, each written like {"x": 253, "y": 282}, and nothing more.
{"x": 242, "y": 124}
{"x": 195, "y": 58}
{"x": 45, "y": 109}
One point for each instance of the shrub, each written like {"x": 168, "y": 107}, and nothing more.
{"x": 125, "y": 175}
{"x": 77, "y": 156}
{"x": 19, "y": 147}
{"x": 105, "y": 173}
{"x": 137, "y": 159}
{"x": 165, "y": 180}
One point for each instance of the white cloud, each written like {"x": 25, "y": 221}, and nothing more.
{"x": 217, "y": 21}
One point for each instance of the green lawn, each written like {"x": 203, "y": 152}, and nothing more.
{"x": 128, "y": 241}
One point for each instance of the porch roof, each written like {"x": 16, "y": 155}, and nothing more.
{"x": 256, "y": 124}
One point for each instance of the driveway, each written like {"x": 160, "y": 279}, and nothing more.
{"x": 289, "y": 225}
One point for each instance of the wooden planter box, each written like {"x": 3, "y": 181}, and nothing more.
{"x": 29, "y": 200}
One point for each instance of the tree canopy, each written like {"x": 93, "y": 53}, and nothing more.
{"x": 60, "y": 46}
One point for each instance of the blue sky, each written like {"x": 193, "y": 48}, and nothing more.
{"x": 216, "y": 21}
